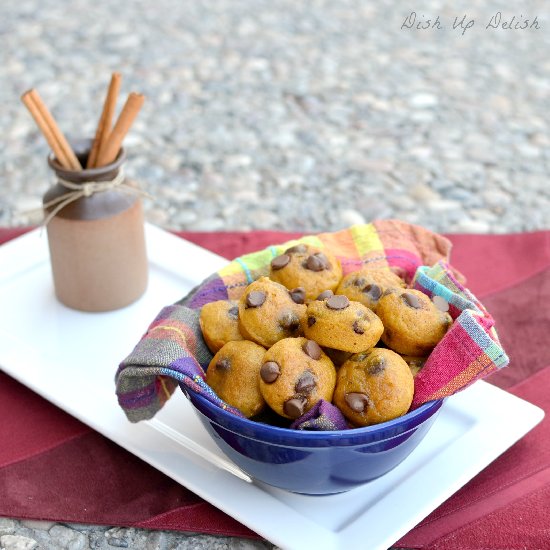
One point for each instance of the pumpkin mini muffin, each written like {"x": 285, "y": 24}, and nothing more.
{"x": 374, "y": 387}
{"x": 307, "y": 267}
{"x": 268, "y": 313}
{"x": 295, "y": 375}
{"x": 219, "y": 322}
{"x": 341, "y": 324}
{"x": 233, "y": 374}
{"x": 413, "y": 325}
{"x": 367, "y": 285}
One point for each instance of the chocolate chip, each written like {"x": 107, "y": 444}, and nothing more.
{"x": 270, "y": 371}
{"x": 324, "y": 259}
{"x": 440, "y": 303}
{"x": 360, "y": 281}
{"x": 280, "y": 261}
{"x": 338, "y": 301}
{"x": 233, "y": 312}
{"x": 311, "y": 321}
{"x": 223, "y": 364}
{"x": 357, "y": 328}
{"x": 312, "y": 349}
{"x": 357, "y": 402}
{"x": 325, "y": 294}
{"x": 411, "y": 300}
{"x": 374, "y": 291}
{"x": 316, "y": 262}
{"x": 289, "y": 321}
{"x": 305, "y": 383}
{"x": 377, "y": 365}
{"x": 294, "y": 407}
{"x": 298, "y": 295}
{"x": 298, "y": 249}
{"x": 255, "y": 298}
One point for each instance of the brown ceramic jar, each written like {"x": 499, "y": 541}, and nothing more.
{"x": 97, "y": 242}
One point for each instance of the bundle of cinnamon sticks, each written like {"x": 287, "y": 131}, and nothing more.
{"x": 108, "y": 137}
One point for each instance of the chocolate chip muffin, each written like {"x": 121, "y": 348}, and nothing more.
{"x": 233, "y": 374}
{"x": 413, "y": 324}
{"x": 341, "y": 324}
{"x": 295, "y": 375}
{"x": 374, "y": 387}
{"x": 306, "y": 267}
{"x": 367, "y": 285}
{"x": 268, "y": 313}
{"x": 219, "y": 322}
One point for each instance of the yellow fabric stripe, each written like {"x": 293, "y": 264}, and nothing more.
{"x": 366, "y": 238}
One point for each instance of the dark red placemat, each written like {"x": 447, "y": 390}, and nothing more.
{"x": 53, "y": 467}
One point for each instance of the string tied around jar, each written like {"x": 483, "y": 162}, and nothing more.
{"x": 87, "y": 189}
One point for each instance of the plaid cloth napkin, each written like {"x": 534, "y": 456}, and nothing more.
{"x": 469, "y": 351}
{"x": 172, "y": 352}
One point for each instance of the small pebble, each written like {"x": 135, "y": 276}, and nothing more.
{"x": 17, "y": 542}
{"x": 423, "y": 101}
{"x": 7, "y": 526}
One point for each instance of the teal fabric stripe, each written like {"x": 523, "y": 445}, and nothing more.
{"x": 497, "y": 355}
{"x": 482, "y": 339}
{"x": 273, "y": 251}
{"x": 460, "y": 301}
{"x": 249, "y": 277}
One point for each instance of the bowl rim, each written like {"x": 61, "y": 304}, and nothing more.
{"x": 312, "y": 435}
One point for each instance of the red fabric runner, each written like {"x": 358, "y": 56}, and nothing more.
{"x": 44, "y": 451}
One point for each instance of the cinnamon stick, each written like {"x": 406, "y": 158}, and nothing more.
{"x": 49, "y": 128}
{"x": 44, "y": 128}
{"x": 125, "y": 120}
{"x": 105, "y": 122}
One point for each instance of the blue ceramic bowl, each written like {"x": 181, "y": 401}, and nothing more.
{"x": 315, "y": 463}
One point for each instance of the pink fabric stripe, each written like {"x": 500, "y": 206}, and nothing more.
{"x": 439, "y": 370}
{"x": 403, "y": 259}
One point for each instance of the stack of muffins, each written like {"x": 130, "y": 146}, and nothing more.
{"x": 307, "y": 333}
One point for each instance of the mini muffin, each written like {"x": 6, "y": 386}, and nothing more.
{"x": 295, "y": 375}
{"x": 307, "y": 267}
{"x": 367, "y": 285}
{"x": 374, "y": 387}
{"x": 219, "y": 322}
{"x": 268, "y": 313}
{"x": 340, "y": 324}
{"x": 233, "y": 374}
{"x": 413, "y": 325}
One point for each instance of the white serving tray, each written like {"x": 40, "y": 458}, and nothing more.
{"x": 70, "y": 358}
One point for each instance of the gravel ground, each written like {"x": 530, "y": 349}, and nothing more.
{"x": 276, "y": 114}
{"x": 286, "y": 115}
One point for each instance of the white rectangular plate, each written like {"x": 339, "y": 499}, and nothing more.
{"x": 70, "y": 358}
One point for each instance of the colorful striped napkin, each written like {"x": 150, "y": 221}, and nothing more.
{"x": 469, "y": 351}
{"x": 172, "y": 352}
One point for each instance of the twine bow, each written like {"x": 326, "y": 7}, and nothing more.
{"x": 87, "y": 189}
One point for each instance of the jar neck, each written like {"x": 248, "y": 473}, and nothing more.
{"x": 107, "y": 202}
{"x": 82, "y": 149}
